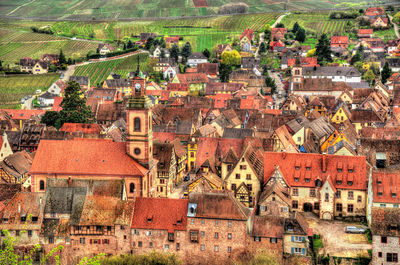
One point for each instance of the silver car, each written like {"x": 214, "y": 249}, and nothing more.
{"x": 354, "y": 230}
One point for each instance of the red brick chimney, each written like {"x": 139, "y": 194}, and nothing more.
{"x": 283, "y": 154}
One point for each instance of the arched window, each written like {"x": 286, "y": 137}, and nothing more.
{"x": 41, "y": 185}
{"x": 136, "y": 124}
{"x": 132, "y": 188}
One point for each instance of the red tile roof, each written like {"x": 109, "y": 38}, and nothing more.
{"x": 56, "y": 104}
{"x": 386, "y": 186}
{"x": 23, "y": 114}
{"x": 207, "y": 68}
{"x": 365, "y": 31}
{"x": 85, "y": 156}
{"x": 304, "y": 61}
{"x": 337, "y": 167}
{"x": 248, "y": 33}
{"x": 172, "y": 39}
{"x": 164, "y": 136}
{"x": 192, "y": 78}
{"x": 178, "y": 87}
{"x": 81, "y": 127}
{"x": 160, "y": 214}
{"x": 221, "y": 100}
{"x": 339, "y": 40}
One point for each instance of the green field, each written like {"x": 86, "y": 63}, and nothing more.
{"x": 114, "y": 9}
{"x": 14, "y": 44}
{"x": 14, "y": 88}
{"x": 315, "y": 22}
{"x": 98, "y": 72}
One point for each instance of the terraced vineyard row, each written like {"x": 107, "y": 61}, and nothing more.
{"x": 317, "y": 22}
{"x": 98, "y": 72}
{"x": 13, "y": 88}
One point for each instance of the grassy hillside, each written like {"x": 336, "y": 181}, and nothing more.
{"x": 107, "y": 9}
{"x": 14, "y": 88}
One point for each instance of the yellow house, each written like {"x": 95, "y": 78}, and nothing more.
{"x": 283, "y": 141}
{"x": 205, "y": 183}
{"x": 341, "y": 115}
{"x": 196, "y": 82}
{"x": 348, "y": 135}
{"x": 245, "y": 178}
{"x": 181, "y": 158}
{"x": 346, "y": 97}
{"x": 192, "y": 149}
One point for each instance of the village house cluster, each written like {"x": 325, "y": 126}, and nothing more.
{"x": 208, "y": 169}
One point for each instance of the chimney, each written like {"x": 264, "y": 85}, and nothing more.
{"x": 324, "y": 162}
{"x": 19, "y": 207}
{"x": 69, "y": 181}
{"x": 283, "y": 153}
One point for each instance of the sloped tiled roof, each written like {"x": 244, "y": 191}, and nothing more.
{"x": 85, "y": 156}
{"x": 345, "y": 169}
{"x": 267, "y": 226}
{"x": 152, "y": 213}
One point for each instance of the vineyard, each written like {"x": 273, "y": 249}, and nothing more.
{"x": 316, "y": 22}
{"x": 98, "y": 72}
{"x": 14, "y": 88}
{"x": 16, "y": 44}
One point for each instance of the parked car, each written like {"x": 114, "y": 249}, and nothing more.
{"x": 38, "y": 91}
{"x": 354, "y": 230}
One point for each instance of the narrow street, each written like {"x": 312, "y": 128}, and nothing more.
{"x": 279, "y": 96}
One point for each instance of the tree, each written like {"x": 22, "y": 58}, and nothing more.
{"x": 262, "y": 48}
{"x": 301, "y": 35}
{"x": 267, "y": 35}
{"x": 149, "y": 43}
{"x": 296, "y": 27}
{"x": 174, "y": 52}
{"x": 386, "y": 73}
{"x": 61, "y": 58}
{"x": 224, "y": 71}
{"x": 186, "y": 50}
{"x": 323, "y": 50}
{"x": 124, "y": 47}
{"x": 231, "y": 58}
{"x": 207, "y": 53}
{"x": 269, "y": 82}
{"x": 369, "y": 76}
{"x": 129, "y": 45}
{"x": 74, "y": 108}
{"x": 280, "y": 25}
{"x": 50, "y": 118}
{"x": 355, "y": 58}
{"x": 311, "y": 53}
{"x": 162, "y": 54}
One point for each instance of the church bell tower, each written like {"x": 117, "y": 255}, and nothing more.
{"x": 139, "y": 139}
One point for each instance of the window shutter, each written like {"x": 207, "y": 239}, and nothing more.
{"x": 303, "y": 251}
{"x": 292, "y": 240}
{"x": 90, "y": 241}
{"x": 292, "y": 248}
{"x": 303, "y": 239}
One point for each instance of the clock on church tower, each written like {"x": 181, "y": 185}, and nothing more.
{"x": 139, "y": 139}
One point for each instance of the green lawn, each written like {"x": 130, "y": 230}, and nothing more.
{"x": 14, "y": 88}
{"x": 385, "y": 34}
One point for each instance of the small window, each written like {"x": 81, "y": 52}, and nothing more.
{"x": 237, "y": 176}
{"x": 202, "y": 248}
{"x": 350, "y": 195}
{"x": 248, "y": 176}
{"x": 229, "y": 249}
{"x": 202, "y": 221}
{"x": 383, "y": 239}
{"x": 140, "y": 244}
{"x": 136, "y": 124}
{"x": 316, "y": 206}
{"x": 295, "y": 205}
{"x": 350, "y": 208}
{"x": 295, "y": 192}
{"x": 178, "y": 246}
{"x": 216, "y": 223}
{"x": 137, "y": 151}
{"x": 82, "y": 241}
{"x": 132, "y": 188}
{"x": 166, "y": 246}
{"x": 17, "y": 232}
{"x": 359, "y": 198}
{"x": 29, "y": 233}
{"x": 41, "y": 185}
{"x": 229, "y": 223}
{"x": 273, "y": 240}
{"x": 229, "y": 235}
{"x": 150, "y": 244}
{"x": 216, "y": 235}
{"x": 203, "y": 234}
{"x": 216, "y": 248}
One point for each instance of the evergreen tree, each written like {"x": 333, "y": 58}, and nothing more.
{"x": 174, "y": 52}
{"x": 296, "y": 27}
{"x": 301, "y": 35}
{"x": 323, "y": 50}
{"x": 162, "y": 54}
{"x": 224, "y": 71}
{"x": 130, "y": 45}
{"x": 124, "y": 47}
{"x": 206, "y": 53}
{"x": 280, "y": 25}
{"x": 50, "y": 118}
{"x": 386, "y": 73}
{"x": 186, "y": 50}
{"x": 74, "y": 108}
{"x": 267, "y": 35}
{"x": 269, "y": 82}
{"x": 262, "y": 48}
{"x": 149, "y": 43}
{"x": 61, "y": 58}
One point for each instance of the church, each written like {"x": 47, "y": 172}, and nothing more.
{"x": 100, "y": 159}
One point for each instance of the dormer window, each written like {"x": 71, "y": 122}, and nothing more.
{"x": 290, "y": 228}
{"x": 307, "y": 180}
{"x": 149, "y": 219}
{"x": 297, "y": 168}
{"x": 308, "y": 168}
{"x": 339, "y": 170}
{"x": 349, "y": 183}
{"x": 350, "y": 170}
{"x": 296, "y": 179}
{"x": 393, "y": 194}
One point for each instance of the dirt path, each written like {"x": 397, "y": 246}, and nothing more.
{"x": 279, "y": 20}
{"x": 20, "y": 7}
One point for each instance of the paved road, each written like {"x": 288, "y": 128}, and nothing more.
{"x": 396, "y": 28}
{"x": 278, "y": 101}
